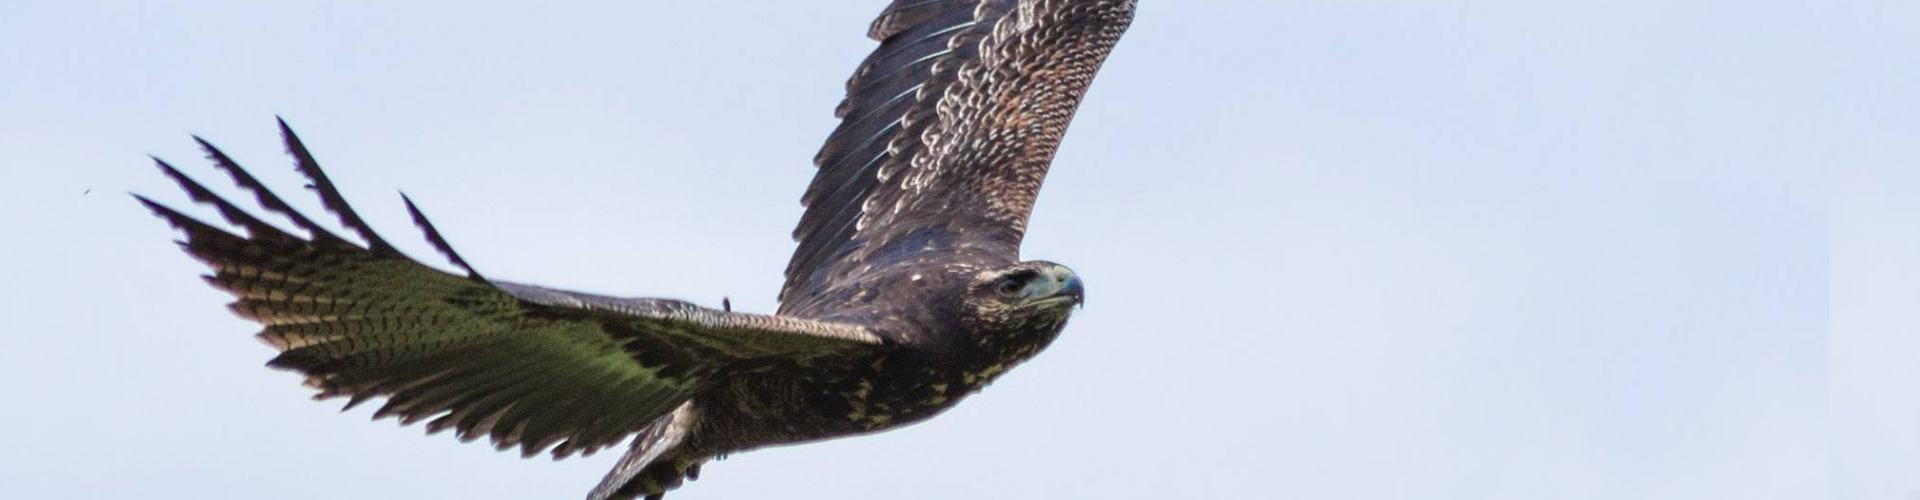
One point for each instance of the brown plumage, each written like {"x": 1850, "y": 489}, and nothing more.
{"x": 906, "y": 293}
{"x": 951, "y": 122}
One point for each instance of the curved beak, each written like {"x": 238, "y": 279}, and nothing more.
{"x": 1061, "y": 284}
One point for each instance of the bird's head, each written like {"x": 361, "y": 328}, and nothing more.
{"x": 1022, "y": 306}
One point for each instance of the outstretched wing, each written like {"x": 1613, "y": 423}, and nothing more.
{"x": 946, "y": 133}
{"x": 527, "y": 366}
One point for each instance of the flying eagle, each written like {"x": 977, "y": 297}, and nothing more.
{"x": 905, "y": 295}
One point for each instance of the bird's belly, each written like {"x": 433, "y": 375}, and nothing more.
{"x": 873, "y": 405}
{"x": 787, "y": 410}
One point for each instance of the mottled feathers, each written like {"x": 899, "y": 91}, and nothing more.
{"x": 946, "y": 133}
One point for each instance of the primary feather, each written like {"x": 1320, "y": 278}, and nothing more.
{"x": 523, "y": 365}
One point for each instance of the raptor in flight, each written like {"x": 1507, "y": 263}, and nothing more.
{"x": 906, "y": 294}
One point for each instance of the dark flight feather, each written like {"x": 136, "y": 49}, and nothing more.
{"x": 330, "y": 198}
{"x": 265, "y": 197}
{"x": 439, "y": 242}
{"x": 947, "y": 131}
{"x": 524, "y": 365}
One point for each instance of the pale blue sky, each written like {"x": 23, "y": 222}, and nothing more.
{"x": 1334, "y": 250}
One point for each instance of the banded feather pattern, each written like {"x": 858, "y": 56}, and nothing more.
{"x": 526, "y": 366}
{"x": 946, "y": 133}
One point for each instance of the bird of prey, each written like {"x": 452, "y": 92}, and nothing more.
{"x": 906, "y": 293}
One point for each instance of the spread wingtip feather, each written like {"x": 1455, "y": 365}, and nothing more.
{"x": 330, "y": 197}
{"x": 439, "y": 242}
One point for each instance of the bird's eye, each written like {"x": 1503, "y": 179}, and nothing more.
{"x": 1007, "y": 287}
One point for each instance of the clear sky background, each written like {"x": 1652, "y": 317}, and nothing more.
{"x": 1335, "y": 249}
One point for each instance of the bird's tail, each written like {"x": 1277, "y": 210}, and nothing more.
{"x": 657, "y": 462}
